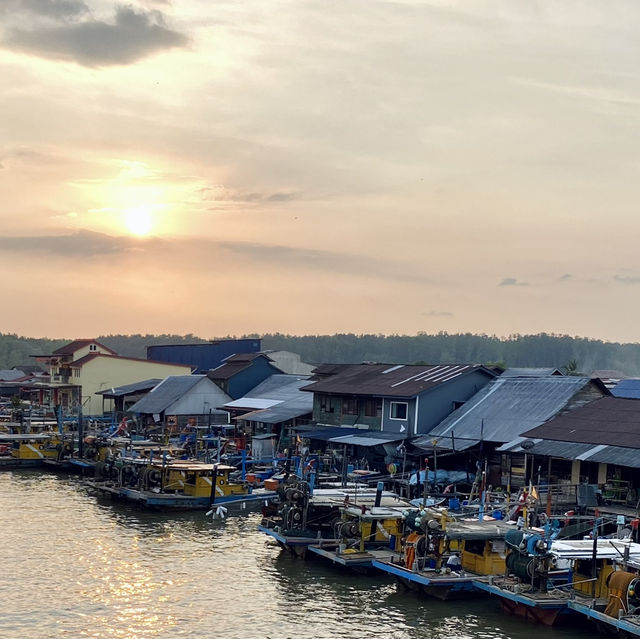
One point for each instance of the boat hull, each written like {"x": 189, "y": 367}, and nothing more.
{"x": 171, "y": 501}
{"x": 540, "y": 609}
{"x": 438, "y": 586}
{"x": 621, "y": 627}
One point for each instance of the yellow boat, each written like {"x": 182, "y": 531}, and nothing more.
{"x": 177, "y": 484}
{"x": 32, "y": 449}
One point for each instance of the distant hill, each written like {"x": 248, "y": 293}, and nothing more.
{"x": 517, "y": 350}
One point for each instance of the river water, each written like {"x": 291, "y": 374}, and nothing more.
{"x": 76, "y": 565}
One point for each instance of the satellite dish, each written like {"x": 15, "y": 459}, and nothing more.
{"x": 527, "y": 444}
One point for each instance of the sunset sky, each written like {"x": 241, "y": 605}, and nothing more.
{"x": 237, "y": 166}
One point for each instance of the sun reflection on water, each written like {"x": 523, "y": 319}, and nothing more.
{"x": 107, "y": 571}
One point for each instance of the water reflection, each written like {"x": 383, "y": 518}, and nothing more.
{"x": 83, "y": 567}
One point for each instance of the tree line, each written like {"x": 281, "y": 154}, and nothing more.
{"x": 581, "y": 355}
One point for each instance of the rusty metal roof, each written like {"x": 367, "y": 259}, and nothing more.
{"x": 391, "y": 380}
{"x": 612, "y": 421}
{"x": 76, "y": 345}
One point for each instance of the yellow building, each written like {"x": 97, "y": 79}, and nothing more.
{"x": 82, "y": 368}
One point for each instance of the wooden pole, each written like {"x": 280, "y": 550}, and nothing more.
{"x": 214, "y": 482}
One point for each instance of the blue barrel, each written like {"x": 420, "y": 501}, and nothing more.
{"x": 454, "y": 503}
{"x": 497, "y": 514}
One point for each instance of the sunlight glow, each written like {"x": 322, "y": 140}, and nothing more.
{"x": 138, "y": 220}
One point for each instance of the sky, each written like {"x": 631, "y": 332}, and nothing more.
{"x": 319, "y": 166}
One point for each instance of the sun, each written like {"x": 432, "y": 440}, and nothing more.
{"x": 138, "y": 220}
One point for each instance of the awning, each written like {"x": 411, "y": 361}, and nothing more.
{"x": 363, "y": 440}
{"x": 252, "y": 403}
{"x": 325, "y": 434}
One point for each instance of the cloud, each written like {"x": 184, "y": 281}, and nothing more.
{"x": 55, "y": 9}
{"x": 327, "y": 261}
{"x": 133, "y": 35}
{"x": 512, "y": 281}
{"x": 438, "y": 314}
{"x": 80, "y": 244}
{"x": 565, "y": 277}
{"x": 627, "y": 279}
{"x": 220, "y": 193}
{"x": 24, "y": 155}
{"x": 85, "y": 243}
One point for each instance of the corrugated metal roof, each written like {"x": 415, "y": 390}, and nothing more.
{"x": 610, "y": 420}
{"x": 166, "y": 393}
{"x": 546, "y": 448}
{"x": 629, "y": 388}
{"x": 389, "y": 380}
{"x": 252, "y": 403}
{"x": 352, "y": 436}
{"x": 11, "y": 375}
{"x": 325, "y": 434}
{"x": 368, "y": 439}
{"x": 503, "y": 410}
{"x": 226, "y": 371}
{"x": 282, "y": 387}
{"x": 283, "y": 395}
{"x": 276, "y": 414}
{"x": 531, "y": 372}
{"x": 129, "y": 389}
{"x": 616, "y": 455}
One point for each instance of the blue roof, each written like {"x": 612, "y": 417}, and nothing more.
{"x": 628, "y": 388}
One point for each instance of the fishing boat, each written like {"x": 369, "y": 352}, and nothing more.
{"x": 177, "y": 484}
{"x": 542, "y": 577}
{"x": 304, "y": 516}
{"x": 441, "y": 556}
{"x": 23, "y": 450}
{"x": 364, "y": 533}
{"x": 617, "y": 609}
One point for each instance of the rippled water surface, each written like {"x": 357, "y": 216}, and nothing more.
{"x": 75, "y": 565}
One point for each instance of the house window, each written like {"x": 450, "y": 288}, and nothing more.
{"x": 373, "y": 407}
{"x": 350, "y": 406}
{"x": 326, "y": 405}
{"x": 399, "y": 410}
{"x": 93, "y": 347}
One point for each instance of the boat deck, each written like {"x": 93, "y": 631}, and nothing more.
{"x": 290, "y": 540}
{"x": 511, "y": 589}
{"x": 429, "y": 576}
{"x": 629, "y": 624}
{"x": 350, "y": 558}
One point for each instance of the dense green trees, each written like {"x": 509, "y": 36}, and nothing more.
{"x": 560, "y": 351}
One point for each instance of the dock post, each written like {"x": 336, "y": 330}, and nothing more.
{"x": 80, "y": 434}
{"x": 214, "y": 481}
{"x": 425, "y": 484}
{"x": 594, "y": 556}
{"x": 379, "y": 489}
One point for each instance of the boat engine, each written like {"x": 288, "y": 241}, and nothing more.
{"x": 294, "y": 499}
{"x": 529, "y": 558}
